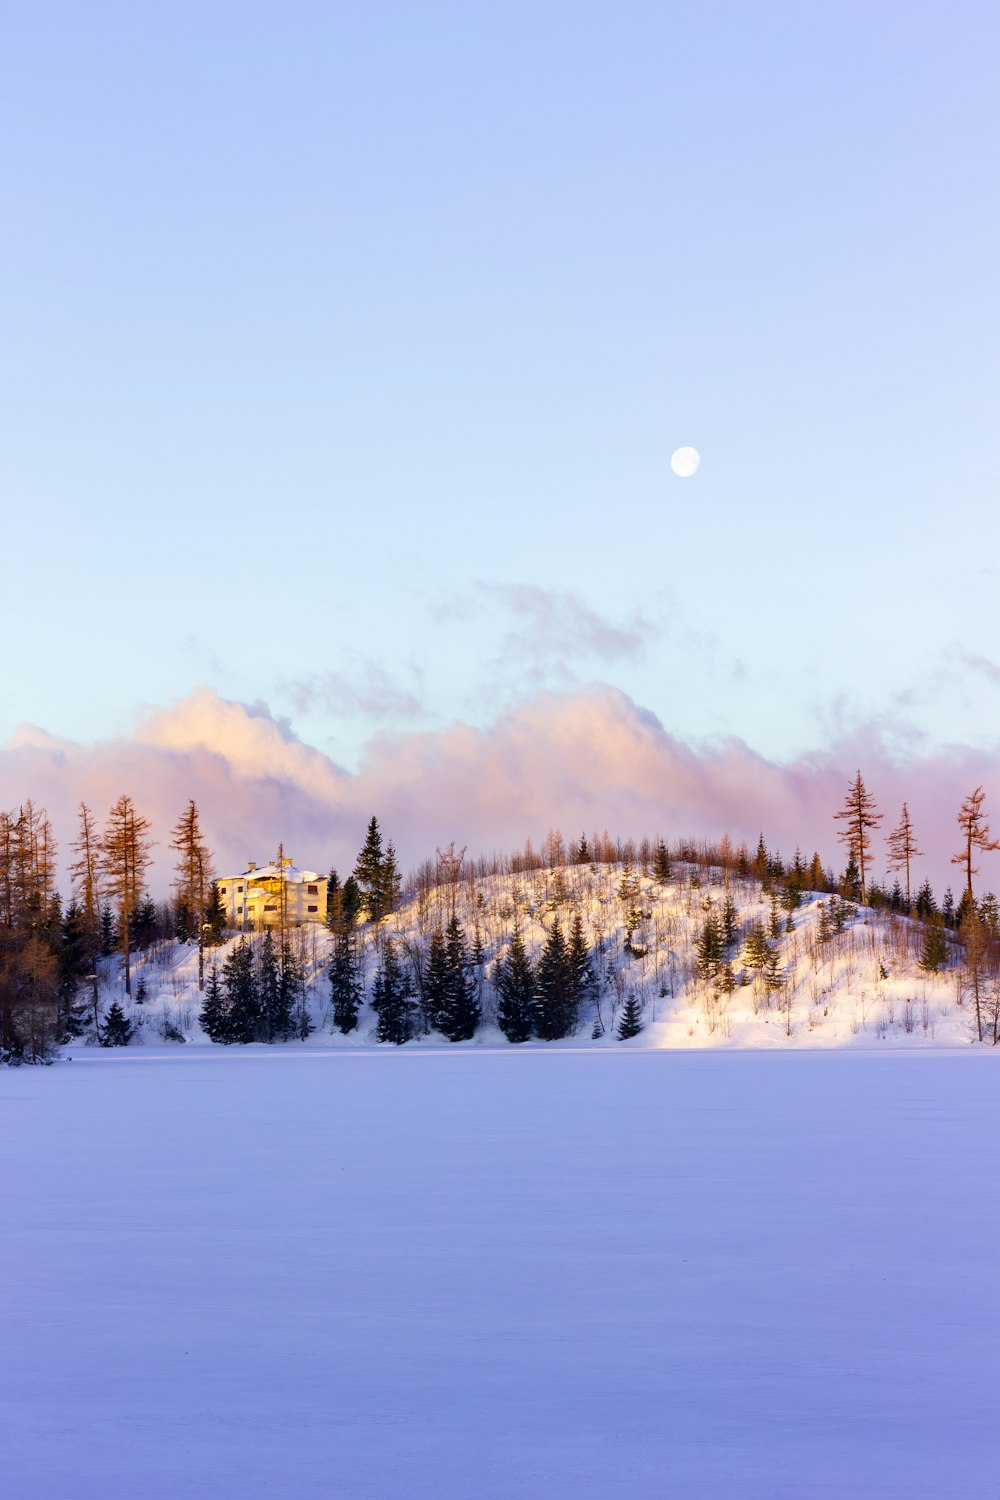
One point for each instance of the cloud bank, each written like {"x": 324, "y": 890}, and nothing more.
{"x": 577, "y": 761}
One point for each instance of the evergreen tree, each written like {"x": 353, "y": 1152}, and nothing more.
{"x": 926, "y": 906}
{"x": 948, "y": 908}
{"x": 239, "y": 987}
{"x": 730, "y": 927}
{"x": 268, "y": 989}
{"x": 346, "y": 990}
{"x": 630, "y": 896}
{"x": 710, "y": 954}
{"x": 391, "y": 882}
{"x": 435, "y": 986}
{"x": 144, "y": 922}
{"x": 214, "y": 924}
{"x": 117, "y": 1030}
{"x": 391, "y": 998}
{"x": 291, "y": 989}
{"x": 555, "y": 1006}
{"x": 935, "y": 950}
{"x": 369, "y": 872}
{"x": 334, "y": 902}
{"x": 214, "y": 1016}
{"x": 351, "y": 902}
{"x": 630, "y": 1024}
{"x": 581, "y": 973}
{"x": 756, "y": 949}
{"x": 75, "y": 954}
{"x": 516, "y": 992}
{"x": 661, "y": 863}
{"x": 108, "y": 935}
{"x": 458, "y": 1016}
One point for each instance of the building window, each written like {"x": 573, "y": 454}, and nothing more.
{"x": 270, "y": 908}
{"x": 222, "y": 890}
{"x": 312, "y": 908}
{"x": 312, "y": 890}
{"x": 239, "y": 890}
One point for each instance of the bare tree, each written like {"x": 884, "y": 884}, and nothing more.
{"x": 125, "y": 858}
{"x": 902, "y": 846}
{"x": 976, "y": 835}
{"x": 859, "y": 816}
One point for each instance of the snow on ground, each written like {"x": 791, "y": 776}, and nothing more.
{"x": 860, "y": 987}
{"x": 517, "y": 1274}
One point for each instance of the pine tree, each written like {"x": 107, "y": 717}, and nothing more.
{"x": 630, "y": 1024}
{"x": 390, "y": 881}
{"x": 268, "y": 989}
{"x": 290, "y": 989}
{"x": 661, "y": 863}
{"x": 117, "y": 1030}
{"x": 516, "y": 992}
{"x": 334, "y": 901}
{"x": 75, "y": 955}
{"x": 391, "y": 997}
{"x": 109, "y": 937}
{"x": 346, "y": 990}
{"x": 935, "y": 950}
{"x": 214, "y": 1016}
{"x": 581, "y": 973}
{"x": 351, "y": 902}
{"x": 859, "y": 817}
{"x": 630, "y": 896}
{"x": 555, "y": 1007}
{"x": 435, "y": 985}
{"x": 730, "y": 927}
{"x": 239, "y": 986}
{"x": 458, "y": 1016}
{"x": 710, "y": 955}
{"x": 926, "y": 906}
{"x": 214, "y": 925}
{"x": 369, "y": 872}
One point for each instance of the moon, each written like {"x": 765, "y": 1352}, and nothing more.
{"x": 685, "y": 462}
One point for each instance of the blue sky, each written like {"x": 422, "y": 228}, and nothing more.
{"x": 345, "y": 347}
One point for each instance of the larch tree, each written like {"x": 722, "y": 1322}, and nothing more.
{"x": 193, "y": 879}
{"x": 125, "y": 858}
{"x": 859, "y": 816}
{"x": 902, "y": 846}
{"x": 975, "y": 835}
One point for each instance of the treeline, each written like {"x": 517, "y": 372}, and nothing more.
{"x": 51, "y": 954}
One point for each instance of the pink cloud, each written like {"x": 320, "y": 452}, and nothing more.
{"x": 579, "y": 762}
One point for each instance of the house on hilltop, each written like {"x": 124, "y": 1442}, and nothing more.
{"x": 273, "y": 895}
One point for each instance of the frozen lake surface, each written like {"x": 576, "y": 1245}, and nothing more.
{"x": 517, "y": 1274}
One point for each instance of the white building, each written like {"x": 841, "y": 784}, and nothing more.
{"x": 267, "y": 895}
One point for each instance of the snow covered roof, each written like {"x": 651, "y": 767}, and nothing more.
{"x": 290, "y": 873}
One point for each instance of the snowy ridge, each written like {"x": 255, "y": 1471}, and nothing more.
{"x": 860, "y": 986}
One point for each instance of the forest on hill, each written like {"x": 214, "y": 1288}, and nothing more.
{"x": 597, "y": 941}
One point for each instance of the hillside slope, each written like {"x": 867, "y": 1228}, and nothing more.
{"x": 861, "y": 985}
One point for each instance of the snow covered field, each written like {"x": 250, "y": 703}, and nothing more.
{"x": 523, "y": 1274}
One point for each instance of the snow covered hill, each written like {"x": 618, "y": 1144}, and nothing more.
{"x": 781, "y": 978}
